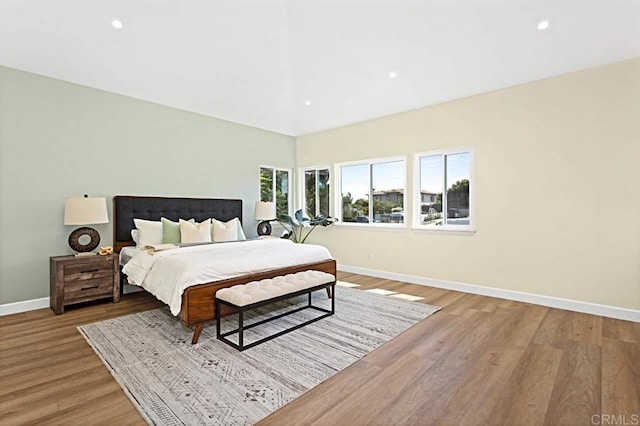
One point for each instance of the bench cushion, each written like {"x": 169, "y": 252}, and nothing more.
{"x": 257, "y": 291}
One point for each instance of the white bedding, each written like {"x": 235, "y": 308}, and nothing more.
{"x": 166, "y": 274}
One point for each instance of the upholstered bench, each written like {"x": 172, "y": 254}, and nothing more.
{"x": 244, "y": 297}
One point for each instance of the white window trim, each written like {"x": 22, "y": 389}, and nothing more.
{"x": 301, "y": 187}
{"x": 338, "y": 193}
{"x": 273, "y": 189}
{"x": 417, "y": 202}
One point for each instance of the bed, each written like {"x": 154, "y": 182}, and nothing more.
{"x": 197, "y": 305}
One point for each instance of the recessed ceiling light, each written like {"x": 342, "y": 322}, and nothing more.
{"x": 117, "y": 24}
{"x": 307, "y": 103}
{"x": 393, "y": 74}
{"x": 543, "y": 25}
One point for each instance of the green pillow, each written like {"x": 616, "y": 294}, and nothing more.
{"x": 171, "y": 231}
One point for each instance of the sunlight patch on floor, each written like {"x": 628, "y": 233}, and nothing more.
{"x": 406, "y": 297}
{"x": 380, "y": 291}
{"x": 346, "y": 284}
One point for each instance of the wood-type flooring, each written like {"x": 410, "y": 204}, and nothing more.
{"x": 480, "y": 360}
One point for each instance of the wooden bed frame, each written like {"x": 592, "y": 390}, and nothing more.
{"x": 198, "y": 301}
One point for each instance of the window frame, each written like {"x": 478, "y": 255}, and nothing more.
{"x": 273, "y": 188}
{"x": 337, "y": 179}
{"x": 417, "y": 199}
{"x": 302, "y": 188}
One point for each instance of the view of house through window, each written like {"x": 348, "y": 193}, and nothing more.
{"x": 373, "y": 192}
{"x": 442, "y": 173}
{"x": 275, "y": 181}
{"x": 316, "y": 192}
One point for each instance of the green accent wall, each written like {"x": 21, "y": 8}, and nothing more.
{"x": 59, "y": 139}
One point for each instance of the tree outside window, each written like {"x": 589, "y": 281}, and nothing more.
{"x": 275, "y": 181}
{"x": 316, "y": 194}
{"x": 446, "y": 172}
{"x": 373, "y": 192}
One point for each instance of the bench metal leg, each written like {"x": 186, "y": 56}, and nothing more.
{"x": 217, "y": 318}
{"x": 333, "y": 298}
{"x": 240, "y": 328}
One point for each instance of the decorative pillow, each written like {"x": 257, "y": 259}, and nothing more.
{"x": 171, "y": 231}
{"x": 241, "y": 236}
{"x": 224, "y": 231}
{"x": 149, "y": 232}
{"x": 195, "y": 232}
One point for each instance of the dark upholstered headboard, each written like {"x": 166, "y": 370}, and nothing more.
{"x": 126, "y": 208}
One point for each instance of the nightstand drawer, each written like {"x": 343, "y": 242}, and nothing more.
{"x": 77, "y": 279}
{"x": 87, "y": 271}
{"x": 88, "y": 288}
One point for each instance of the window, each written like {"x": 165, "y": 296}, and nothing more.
{"x": 316, "y": 191}
{"x": 379, "y": 184}
{"x": 444, "y": 172}
{"x": 275, "y": 181}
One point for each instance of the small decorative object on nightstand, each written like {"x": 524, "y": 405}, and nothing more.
{"x": 85, "y": 211}
{"x": 265, "y": 212}
{"x": 83, "y": 279}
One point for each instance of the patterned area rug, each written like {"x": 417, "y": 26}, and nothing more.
{"x": 172, "y": 382}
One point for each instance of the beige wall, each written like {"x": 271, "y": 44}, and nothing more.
{"x": 557, "y": 173}
{"x": 59, "y": 139}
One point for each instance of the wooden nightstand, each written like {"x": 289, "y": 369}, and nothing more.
{"x": 82, "y": 279}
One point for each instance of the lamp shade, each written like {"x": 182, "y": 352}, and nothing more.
{"x": 85, "y": 211}
{"x": 265, "y": 210}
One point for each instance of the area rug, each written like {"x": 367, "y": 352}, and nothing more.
{"x": 172, "y": 382}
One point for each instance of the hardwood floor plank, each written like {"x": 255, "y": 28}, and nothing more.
{"x": 620, "y": 377}
{"x": 22, "y": 380}
{"x": 586, "y": 328}
{"x": 109, "y": 409}
{"x": 526, "y": 395}
{"x": 625, "y": 331}
{"x": 555, "y": 328}
{"x": 355, "y": 408}
{"x": 577, "y": 393}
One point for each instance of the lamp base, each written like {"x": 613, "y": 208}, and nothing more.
{"x": 76, "y": 245}
{"x": 264, "y": 228}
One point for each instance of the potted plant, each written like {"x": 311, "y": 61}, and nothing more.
{"x": 299, "y": 227}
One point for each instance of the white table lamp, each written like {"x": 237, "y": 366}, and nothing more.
{"x": 85, "y": 211}
{"x": 265, "y": 212}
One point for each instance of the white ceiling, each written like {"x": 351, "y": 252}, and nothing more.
{"x": 256, "y": 62}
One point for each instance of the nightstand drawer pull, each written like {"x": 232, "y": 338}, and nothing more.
{"x": 89, "y": 271}
{"x": 90, "y": 287}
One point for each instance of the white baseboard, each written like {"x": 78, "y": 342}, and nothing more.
{"x": 32, "y": 305}
{"x": 519, "y": 296}
{"x": 24, "y": 306}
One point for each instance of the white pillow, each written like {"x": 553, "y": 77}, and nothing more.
{"x": 224, "y": 231}
{"x": 149, "y": 232}
{"x": 241, "y": 236}
{"x": 134, "y": 236}
{"x": 195, "y": 233}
